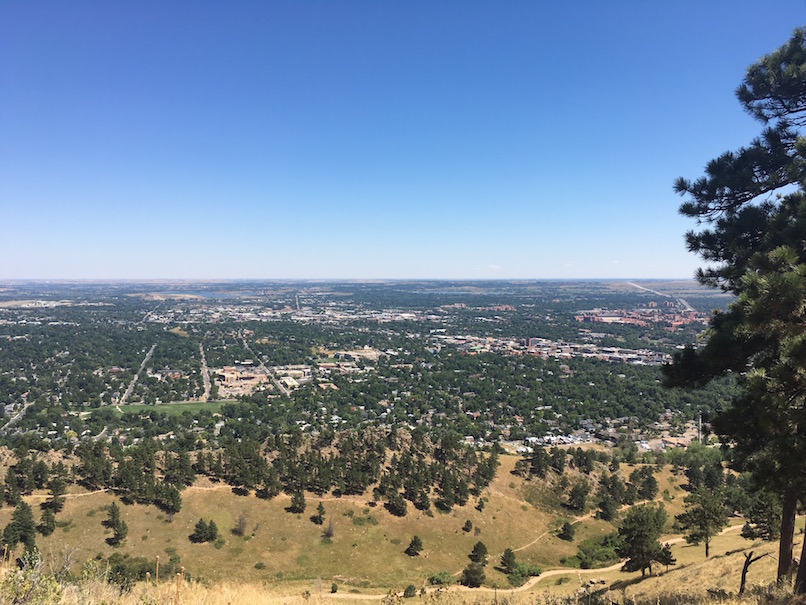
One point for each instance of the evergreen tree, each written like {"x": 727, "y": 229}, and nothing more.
{"x": 116, "y": 524}
{"x": 648, "y": 488}
{"x": 705, "y": 516}
{"x": 508, "y": 560}
{"x": 615, "y": 487}
{"x": 462, "y": 492}
{"x": 578, "y": 497}
{"x": 40, "y": 474}
{"x": 204, "y": 532}
{"x": 396, "y": 504}
{"x": 763, "y": 517}
{"x": 666, "y": 557}
{"x": 558, "y": 458}
{"x": 446, "y": 493}
{"x": 739, "y": 492}
{"x": 630, "y": 494}
{"x": 297, "y": 503}
{"x": 752, "y": 205}
{"x": 421, "y": 500}
{"x": 472, "y": 575}
{"x": 200, "y": 466}
{"x": 25, "y": 476}
{"x": 270, "y": 485}
{"x": 200, "y": 532}
{"x": 583, "y": 460}
{"x": 218, "y": 466}
{"x": 479, "y": 554}
{"x": 112, "y": 516}
{"x": 47, "y": 523}
{"x": 119, "y": 533}
{"x": 694, "y": 474}
{"x": 95, "y": 468}
{"x": 567, "y": 532}
{"x": 639, "y": 533}
{"x": 11, "y": 491}
{"x": 414, "y": 547}
{"x": 185, "y": 469}
{"x": 21, "y": 528}
{"x": 645, "y": 483}
{"x": 608, "y": 506}
{"x": 713, "y": 476}
{"x": 539, "y": 462}
{"x": 57, "y": 487}
{"x": 168, "y": 498}
{"x": 319, "y": 517}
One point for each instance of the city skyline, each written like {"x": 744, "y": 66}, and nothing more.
{"x": 363, "y": 141}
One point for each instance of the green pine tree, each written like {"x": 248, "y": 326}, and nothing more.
{"x": 415, "y": 547}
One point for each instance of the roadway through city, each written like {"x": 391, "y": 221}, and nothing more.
{"x": 279, "y": 385}
{"x": 132, "y": 384}
{"x": 205, "y": 374}
{"x": 682, "y": 301}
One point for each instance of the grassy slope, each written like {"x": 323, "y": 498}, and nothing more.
{"x": 685, "y": 584}
{"x": 367, "y": 550}
{"x": 366, "y": 553}
{"x": 721, "y": 571}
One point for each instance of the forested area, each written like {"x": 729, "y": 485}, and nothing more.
{"x": 396, "y": 468}
{"x": 79, "y": 350}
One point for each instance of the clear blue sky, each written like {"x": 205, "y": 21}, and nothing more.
{"x": 373, "y": 139}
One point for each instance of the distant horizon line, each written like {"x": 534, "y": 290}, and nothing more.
{"x": 174, "y": 280}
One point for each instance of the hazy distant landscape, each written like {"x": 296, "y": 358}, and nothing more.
{"x": 404, "y": 408}
{"x": 402, "y": 302}
{"x": 106, "y": 348}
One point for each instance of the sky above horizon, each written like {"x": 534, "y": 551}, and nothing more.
{"x": 453, "y": 139}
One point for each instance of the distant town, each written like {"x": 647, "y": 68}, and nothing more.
{"x": 344, "y": 355}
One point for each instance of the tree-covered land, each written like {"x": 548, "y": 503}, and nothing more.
{"x": 492, "y": 360}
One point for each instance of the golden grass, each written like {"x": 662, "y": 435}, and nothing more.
{"x": 686, "y": 584}
{"x": 317, "y": 593}
{"x": 721, "y": 571}
{"x": 365, "y": 558}
{"x": 365, "y": 553}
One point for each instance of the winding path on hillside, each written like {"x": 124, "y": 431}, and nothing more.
{"x": 530, "y": 583}
{"x": 69, "y": 496}
{"x": 578, "y": 519}
{"x": 484, "y": 589}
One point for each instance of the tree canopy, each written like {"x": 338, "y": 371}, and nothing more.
{"x": 639, "y": 532}
{"x": 751, "y": 207}
{"x": 704, "y": 517}
{"x": 479, "y": 553}
{"x": 414, "y": 547}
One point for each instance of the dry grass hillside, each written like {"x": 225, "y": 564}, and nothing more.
{"x": 698, "y": 582}
{"x": 283, "y": 556}
{"x": 366, "y": 550}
